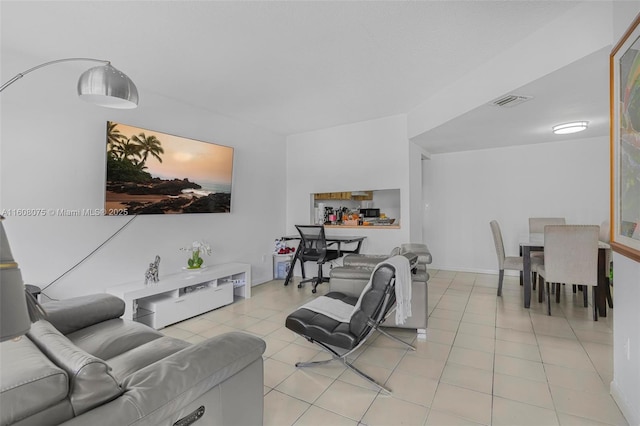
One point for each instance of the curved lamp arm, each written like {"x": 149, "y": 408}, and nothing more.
{"x": 103, "y": 85}
{"x": 23, "y": 73}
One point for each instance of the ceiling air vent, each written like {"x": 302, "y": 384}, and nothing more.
{"x": 508, "y": 101}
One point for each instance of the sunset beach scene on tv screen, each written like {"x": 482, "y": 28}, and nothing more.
{"x": 150, "y": 172}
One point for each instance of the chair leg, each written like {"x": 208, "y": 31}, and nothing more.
{"x": 557, "y": 292}
{"x": 548, "y": 299}
{"x": 540, "y": 289}
{"x": 534, "y": 279}
{"x": 595, "y": 307}
{"x": 500, "y": 279}
{"x": 586, "y": 296}
{"x": 521, "y": 278}
{"x": 574, "y": 289}
{"x": 608, "y": 290}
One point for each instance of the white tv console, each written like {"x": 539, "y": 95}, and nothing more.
{"x": 185, "y": 294}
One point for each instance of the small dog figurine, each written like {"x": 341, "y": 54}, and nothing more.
{"x": 152, "y": 273}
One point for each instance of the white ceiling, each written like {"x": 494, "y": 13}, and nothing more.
{"x": 297, "y": 66}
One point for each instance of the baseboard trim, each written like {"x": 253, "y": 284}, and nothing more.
{"x": 629, "y": 411}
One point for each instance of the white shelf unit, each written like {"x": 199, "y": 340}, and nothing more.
{"x": 185, "y": 294}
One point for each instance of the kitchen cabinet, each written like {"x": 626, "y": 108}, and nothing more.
{"x": 352, "y": 195}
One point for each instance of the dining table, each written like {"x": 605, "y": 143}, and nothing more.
{"x": 340, "y": 240}
{"x": 535, "y": 242}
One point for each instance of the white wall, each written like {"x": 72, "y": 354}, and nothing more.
{"x": 52, "y": 156}
{"x": 625, "y": 386}
{"x": 466, "y": 190}
{"x": 368, "y": 155}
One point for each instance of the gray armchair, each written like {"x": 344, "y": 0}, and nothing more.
{"x": 356, "y": 272}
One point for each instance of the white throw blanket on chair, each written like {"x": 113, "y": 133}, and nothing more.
{"x": 341, "y": 311}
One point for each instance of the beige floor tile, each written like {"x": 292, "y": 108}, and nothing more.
{"x": 263, "y": 328}
{"x": 220, "y": 315}
{"x": 281, "y": 409}
{"x": 409, "y": 387}
{"x": 377, "y": 373}
{"x": 273, "y": 345}
{"x": 275, "y": 372}
{"x": 241, "y": 322}
{"x": 487, "y": 320}
{"x": 346, "y": 400}
{"x": 440, "y": 312}
{"x": 293, "y": 353}
{"x": 285, "y": 334}
{"x": 443, "y": 324}
{"x": 305, "y": 385}
{"x": 477, "y": 329}
{"x": 471, "y": 341}
{"x": 507, "y": 412}
{"x": 316, "y": 416}
{"x": 518, "y": 350}
{"x": 468, "y": 377}
{"x": 440, "y": 336}
{"x": 423, "y": 367}
{"x": 520, "y": 368}
{"x": 390, "y": 411}
{"x": 577, "y": 360}
{"x": 595, "y": 406}
{"x": 604, "y": 338}
{"x": 262, "y": 313}
{"x": 471, "y": 333}
{"x": 196, "y": 325}
{"x": 196, "y": 338}
{"x": 471, "y": 358}
{"x": 584, "y": 381}
{"x": 217, "y": 330}
{"x": 515, "y": 323}
{"x": 433, "y": 350}
{"x": 465, "y": 403}
{"x": 382, "y": 357}
{"x": 523, "y": 390}
{"x": 569, "y": 420}
{"x": 440, "y": 418}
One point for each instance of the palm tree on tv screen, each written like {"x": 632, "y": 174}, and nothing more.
{"x": 148, "y": 145}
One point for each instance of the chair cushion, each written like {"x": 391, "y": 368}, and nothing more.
{"x": 30, "y": 381}
{"x": 137, "y": 358}
{"x": 321, "y": 328}
{"x": 114, "y": 337}
{"x": 91, "y": 383}
{"x": 513, "y": 262}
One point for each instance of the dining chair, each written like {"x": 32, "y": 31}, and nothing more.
{"x": 605, "y": 237}
{"x": 514, "y": 263}
{"x": 313, "y": 248}
{"x": 536, "y": 226}
{"x": 570, "y": 256}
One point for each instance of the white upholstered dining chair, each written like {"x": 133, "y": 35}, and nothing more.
{"x": 504, "y": 262}
{"x": 570, "y": 256}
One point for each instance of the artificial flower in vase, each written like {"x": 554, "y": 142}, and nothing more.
{"x": 197, "y": 248}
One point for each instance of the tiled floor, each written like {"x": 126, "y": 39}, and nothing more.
{"x": 486, "y": 361}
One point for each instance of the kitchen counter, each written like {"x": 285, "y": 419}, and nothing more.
{"x": 364, "y": 226}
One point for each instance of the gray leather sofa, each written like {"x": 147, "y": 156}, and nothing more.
{"x": 356, "y": 269}
{"x": 87, "y": 366}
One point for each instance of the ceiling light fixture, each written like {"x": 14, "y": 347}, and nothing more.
{"x": 567, "y": 128}
{"x": 103, "y": 85}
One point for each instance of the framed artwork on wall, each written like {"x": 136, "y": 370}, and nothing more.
{"x": 625, "y": 143}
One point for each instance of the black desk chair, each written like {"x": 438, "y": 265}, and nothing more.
{"x": 313, "y": 248}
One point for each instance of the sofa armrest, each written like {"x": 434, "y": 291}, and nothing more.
{"x": 159, "y": 392}
{"x": 73, "y": 314}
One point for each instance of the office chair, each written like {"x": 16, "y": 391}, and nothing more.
{"x": 313, "y": 248}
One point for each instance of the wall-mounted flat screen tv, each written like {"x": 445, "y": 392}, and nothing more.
{"x": 150, "y": 172}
